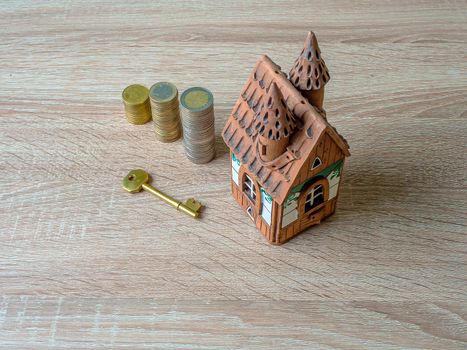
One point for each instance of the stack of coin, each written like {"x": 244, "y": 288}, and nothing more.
{"x": 165, "y": 111}
{"x": 136, "y": 101}
{"x": 198, "y": 124}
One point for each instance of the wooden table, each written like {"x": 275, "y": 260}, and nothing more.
{"x": 84, "y": 264}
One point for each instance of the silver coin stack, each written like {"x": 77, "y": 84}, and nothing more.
{"x": 165, "y": 111}
{"x": 198, "y": 125}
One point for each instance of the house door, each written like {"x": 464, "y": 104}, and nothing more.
{"x": 312, "y": 203}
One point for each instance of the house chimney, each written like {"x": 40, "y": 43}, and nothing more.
{"x": 309, "y": 73}
{"x": 275, "y": 124}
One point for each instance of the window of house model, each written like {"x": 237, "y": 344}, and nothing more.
{"x": 249, "y": 188}
{"x": 316, "y": 163}
{"x": 314, "y": 198}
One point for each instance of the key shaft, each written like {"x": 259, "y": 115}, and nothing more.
{"x": 169, "y": 200}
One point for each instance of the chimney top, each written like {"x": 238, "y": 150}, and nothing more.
{"x": 274, "y": 120}
{"x": 309, "y": 71}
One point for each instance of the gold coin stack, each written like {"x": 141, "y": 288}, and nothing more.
{"x": 136, "y": 101}
{"x": 165, "y": 111}
{"x": 198, "y": 124}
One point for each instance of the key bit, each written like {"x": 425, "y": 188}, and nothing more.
{"x": 138, "y": 179}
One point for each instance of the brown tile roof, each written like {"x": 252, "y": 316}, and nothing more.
{"x": 240, "y": 134}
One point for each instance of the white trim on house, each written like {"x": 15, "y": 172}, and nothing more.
{"x": 266, "y": 202}
{"x": 290, "y": 217}
{"x": 235, "y": 169}
{"x": 290, "y": 211}
{"x": 333, "y": 179}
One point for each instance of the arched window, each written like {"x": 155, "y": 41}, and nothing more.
{"x": 314, "y": 198}
{"x": 249, "y": 188}
{"x": 316, "y": 163}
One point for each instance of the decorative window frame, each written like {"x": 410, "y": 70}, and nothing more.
{"x": 250, "y": 188}
{"x": 301, "y": 205}
{"x": 320, "y": 162}
{"x": 257, "y": 204}
{"x": 249, "y": 211}
{"x": 311, "y": 195}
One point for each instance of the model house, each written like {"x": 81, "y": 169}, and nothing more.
{"x": 286, "y": 159}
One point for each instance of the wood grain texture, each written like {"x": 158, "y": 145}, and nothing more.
{"x": 85, "y": 265}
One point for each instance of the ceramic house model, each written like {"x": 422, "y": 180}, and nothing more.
{"x": 286, "y": 159}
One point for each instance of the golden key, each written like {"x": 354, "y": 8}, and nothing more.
{"x": 137, "y": 180}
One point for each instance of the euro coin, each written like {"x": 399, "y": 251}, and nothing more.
{"x": 198, "y": 124}
{"x": 165, "y": 111}
{"x": 136, "y": 101}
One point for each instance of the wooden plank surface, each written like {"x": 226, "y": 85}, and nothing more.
{"x": 85, "y": 265}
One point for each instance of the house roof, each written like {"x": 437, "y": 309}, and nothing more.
{"x": 240, "y": 134}
{"x": 309, "y": 71}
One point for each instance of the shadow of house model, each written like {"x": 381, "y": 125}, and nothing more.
{"x": 286, "y": 159}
